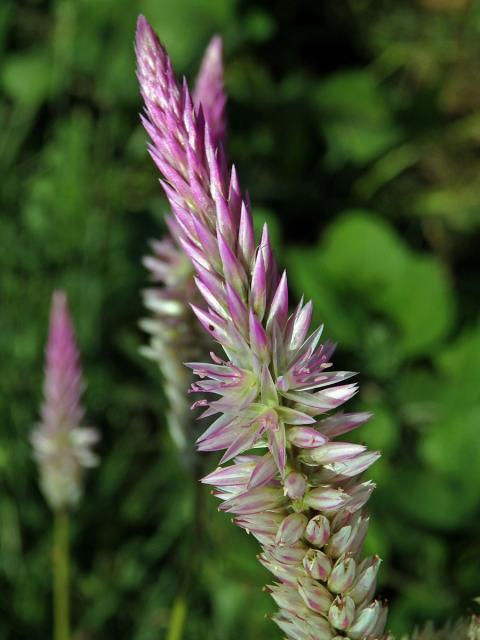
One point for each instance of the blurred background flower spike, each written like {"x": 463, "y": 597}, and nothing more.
{"x": 62, "y": 447}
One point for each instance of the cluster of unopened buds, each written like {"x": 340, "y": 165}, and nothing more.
{"x": 283, "y": 475}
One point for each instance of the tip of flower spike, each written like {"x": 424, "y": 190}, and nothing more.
{"x": 145, "y": 33}
{"x": 59, "y": 298}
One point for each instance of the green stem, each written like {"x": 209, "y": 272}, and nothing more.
{"x": 177, "y": 618}
{"x": 61, "y": 588}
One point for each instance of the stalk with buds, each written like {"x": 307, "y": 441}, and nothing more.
{"x": 62, "y": 446}
{"x": 283, "y": 474}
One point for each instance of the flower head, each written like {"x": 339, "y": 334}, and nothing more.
{"x": 283, "y": 476}
{"x": 62, "y": 447}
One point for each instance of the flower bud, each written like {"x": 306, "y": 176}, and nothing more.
{"x": 295, "y": 485}
{"x": 379, "y": 627}
{"x": 291, "y": 529}
{"x": 316, "y": 597}
{"x": 293, "y": 554}
{"x": 332, "y": 452}
{"x": 317, "y": 564}
{"x": 325, "y": 498}
{"x": 286, "y": 597}
{"x": 365, "y": 621}
{"x": 306, "y": 437}
{"x": 359, "y": 496}
{"x": 253, "y": 501}
{"x": 289, "y": 574}
{"x": 366, "y": 579}
{"x": 341, "y": 613}
{"x": 318, "y": 531}
{"x": 339, "y": 541}
{"x": 343, "y": 575}
{"x": 263, "y": 472}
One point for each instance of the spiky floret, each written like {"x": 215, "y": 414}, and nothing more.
{"x": 175, "y": 335}
{"x": 284, "y": 477}
{"x": 62, "y": 446}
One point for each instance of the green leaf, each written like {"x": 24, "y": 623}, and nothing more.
{"x": 362, "y": 251}
{"x": 27, "y": 77}
{"x": 429, "y": 498}
{"x": 308, "y": 278}
{"x": 421, "y": 303}
{"x": 354, "y": 117}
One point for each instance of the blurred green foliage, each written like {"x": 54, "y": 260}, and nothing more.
{"x": 356, "y": 127}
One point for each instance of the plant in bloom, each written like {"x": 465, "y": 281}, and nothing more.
{"x": 283, "y": 474}
{"x": 62, "y": 447}
{"x": 175, "y": 334}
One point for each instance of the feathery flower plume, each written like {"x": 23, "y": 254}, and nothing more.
{"x": 283, "y": 475}
{"x": 175, "y": 335}
{"x": 62, "y": 447}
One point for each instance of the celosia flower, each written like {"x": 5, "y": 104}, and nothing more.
{"x": 175, "y": 335}
{"x": 300, "y": 494}
{"x": 62, "y": 447}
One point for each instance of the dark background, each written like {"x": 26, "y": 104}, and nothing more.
{"x": 355, "y": 126}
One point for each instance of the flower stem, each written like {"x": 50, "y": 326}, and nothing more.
{"x": 177, "y": 618}
{"x": 61, "y": 589}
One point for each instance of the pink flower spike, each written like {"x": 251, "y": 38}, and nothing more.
{"x": 61, "y": 445}
{"x": 300, "y": 496}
